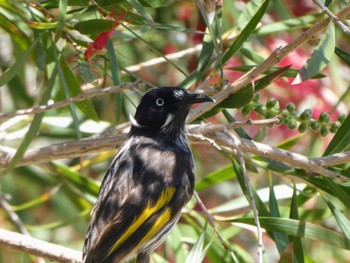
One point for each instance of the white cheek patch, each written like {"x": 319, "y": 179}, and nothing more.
{"x": 169, "y": 118}
{"x": 134, "y": 122}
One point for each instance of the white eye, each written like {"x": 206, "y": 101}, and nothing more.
{"x": 160, "y": 102}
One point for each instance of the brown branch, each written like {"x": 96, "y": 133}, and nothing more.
{"x": 80, "y": 97}
{"x": 335, "y": 19}
{"x": 38, "y": 247}
{"x": 287, "y": 157}
{"x": 96, "y": 144}
{"x": 108, "y": 140}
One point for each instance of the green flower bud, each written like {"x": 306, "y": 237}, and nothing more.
{"x": 260, "y": 109}
{"x": 285, "y": 114}
{"x": 334, "y": 127}
{"x": 290, "y": 107}
{"x": 341, "y": 118}
{"x": 270, "y": 113}
{"x": 246, "y": 110}
{"x": 256, "y": 97}
{"x": 271, "y": 103}
{"x": 314, "y": 125}
{"x": 302, "y": 127}
{"x": 324, "y": 131}
{"x": 323, "y": 118}
{"x": 306, "y": 115}
{"x": 292, "y": 124}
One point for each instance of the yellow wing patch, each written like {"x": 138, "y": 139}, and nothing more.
{"x": 164, "y": 198}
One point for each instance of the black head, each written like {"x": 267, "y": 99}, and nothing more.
{"x": 165, "y": 109}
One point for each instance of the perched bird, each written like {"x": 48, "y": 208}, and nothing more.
{"x": 148, "y": 182}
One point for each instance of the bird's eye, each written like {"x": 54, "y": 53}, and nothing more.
{"x": 160, "y": 102}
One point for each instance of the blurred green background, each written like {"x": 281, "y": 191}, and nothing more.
{"x": 51, "y": 51}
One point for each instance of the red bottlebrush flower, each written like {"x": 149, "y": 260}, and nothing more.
{"x": 99, "y": 43}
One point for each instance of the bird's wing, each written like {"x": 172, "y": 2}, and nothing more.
{"x": 141, "y": 194}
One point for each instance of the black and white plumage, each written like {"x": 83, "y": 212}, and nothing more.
{"x": 148, "y": 182}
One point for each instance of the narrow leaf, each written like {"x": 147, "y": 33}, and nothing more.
{"x": 341, "y": 139}
{"x": 34, "y": 127}
{"x": 246, "y": 33}
{"x": 84, "y": 184}
{"x": 298, "y": 228}
{"x": 14, "y": 69}
{"x": 195, "y": 254}
{"x": 341, "y": 219}
{"x": 216, "y": 177}
{"x": 345, "y": 56}
{"x": 141, "y": 10}
{"x": 71, "y": 85}
{"x": 320, "y": 57}
{"x": 298, "y": 253}
{"x": 115, "y": 77}
{"x": 280, "y": 239}
{"x": 61, "y": 18}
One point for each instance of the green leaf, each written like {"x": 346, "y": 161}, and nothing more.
{"x": 204, "y": 57}
{"x": 246, "y": 33}
{"x": 247, "y": 13}
{"x": 294, "y": 214}
{"x": 155, "y": 50}
{"x": 244, "y": 95}
{"x": 15, "y": 31}
{"x": 94, "y": 26}
{"x": 239, "y": 98}
{"x": 298, "y": 228}
{"x": 213, "y": 27}
{"x": 141, "y": 10}
{"x": 345, "y": 56}
{"x": 175, "y": 241}
{"x": 291, "y": 72}
{"x": 337, "y": 191}
{"x": 61, "y": 18}
{"x": 115, "y": 77}
{"x": 216, "y": 177}
{"x": 287, "y": 25}
{"x": 262, "y": 210}
{"x": 34, "y": 127}
{"x": 14, "y": 69}
{"x": 195, "y": 254}
{"x": 289, "y": 143}
{"x": 280, "y": 239}
{"x": 47, "y": 196}
{"x": 42, "y": 25}
{"x": 341, "y": 139}
{"x": 342, "y": 221}
{"x": 240, "y": 131}
{"x": 155, "y": 3}
{"x": 320, "y": 57}
{"x": 84, "y": 184}
{"x": 71, "y": 82}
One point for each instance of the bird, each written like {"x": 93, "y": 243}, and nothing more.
{"x": 149, "y": 181}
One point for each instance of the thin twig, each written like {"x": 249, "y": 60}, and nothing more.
{"x": 236, "y": 142}
{"x": 212, "y": 128}
{"x": 13, "y": 216}
{"x": 97, "y": 144}
{"x": 80, "y": 97}
{"x": 335, "y": 19}
{"x": 210, "y": 219}
{"x": 38, "y": 247}
{"x": 203, "y": 138}
{"x": 16, "y": 220}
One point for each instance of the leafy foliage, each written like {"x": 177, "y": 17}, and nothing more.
{"x": 51, "y": 51}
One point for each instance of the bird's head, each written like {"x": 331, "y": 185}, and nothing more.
{"x": 165, "y": 109}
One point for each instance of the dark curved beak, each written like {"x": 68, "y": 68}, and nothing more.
{"x": 193, "y": 98}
